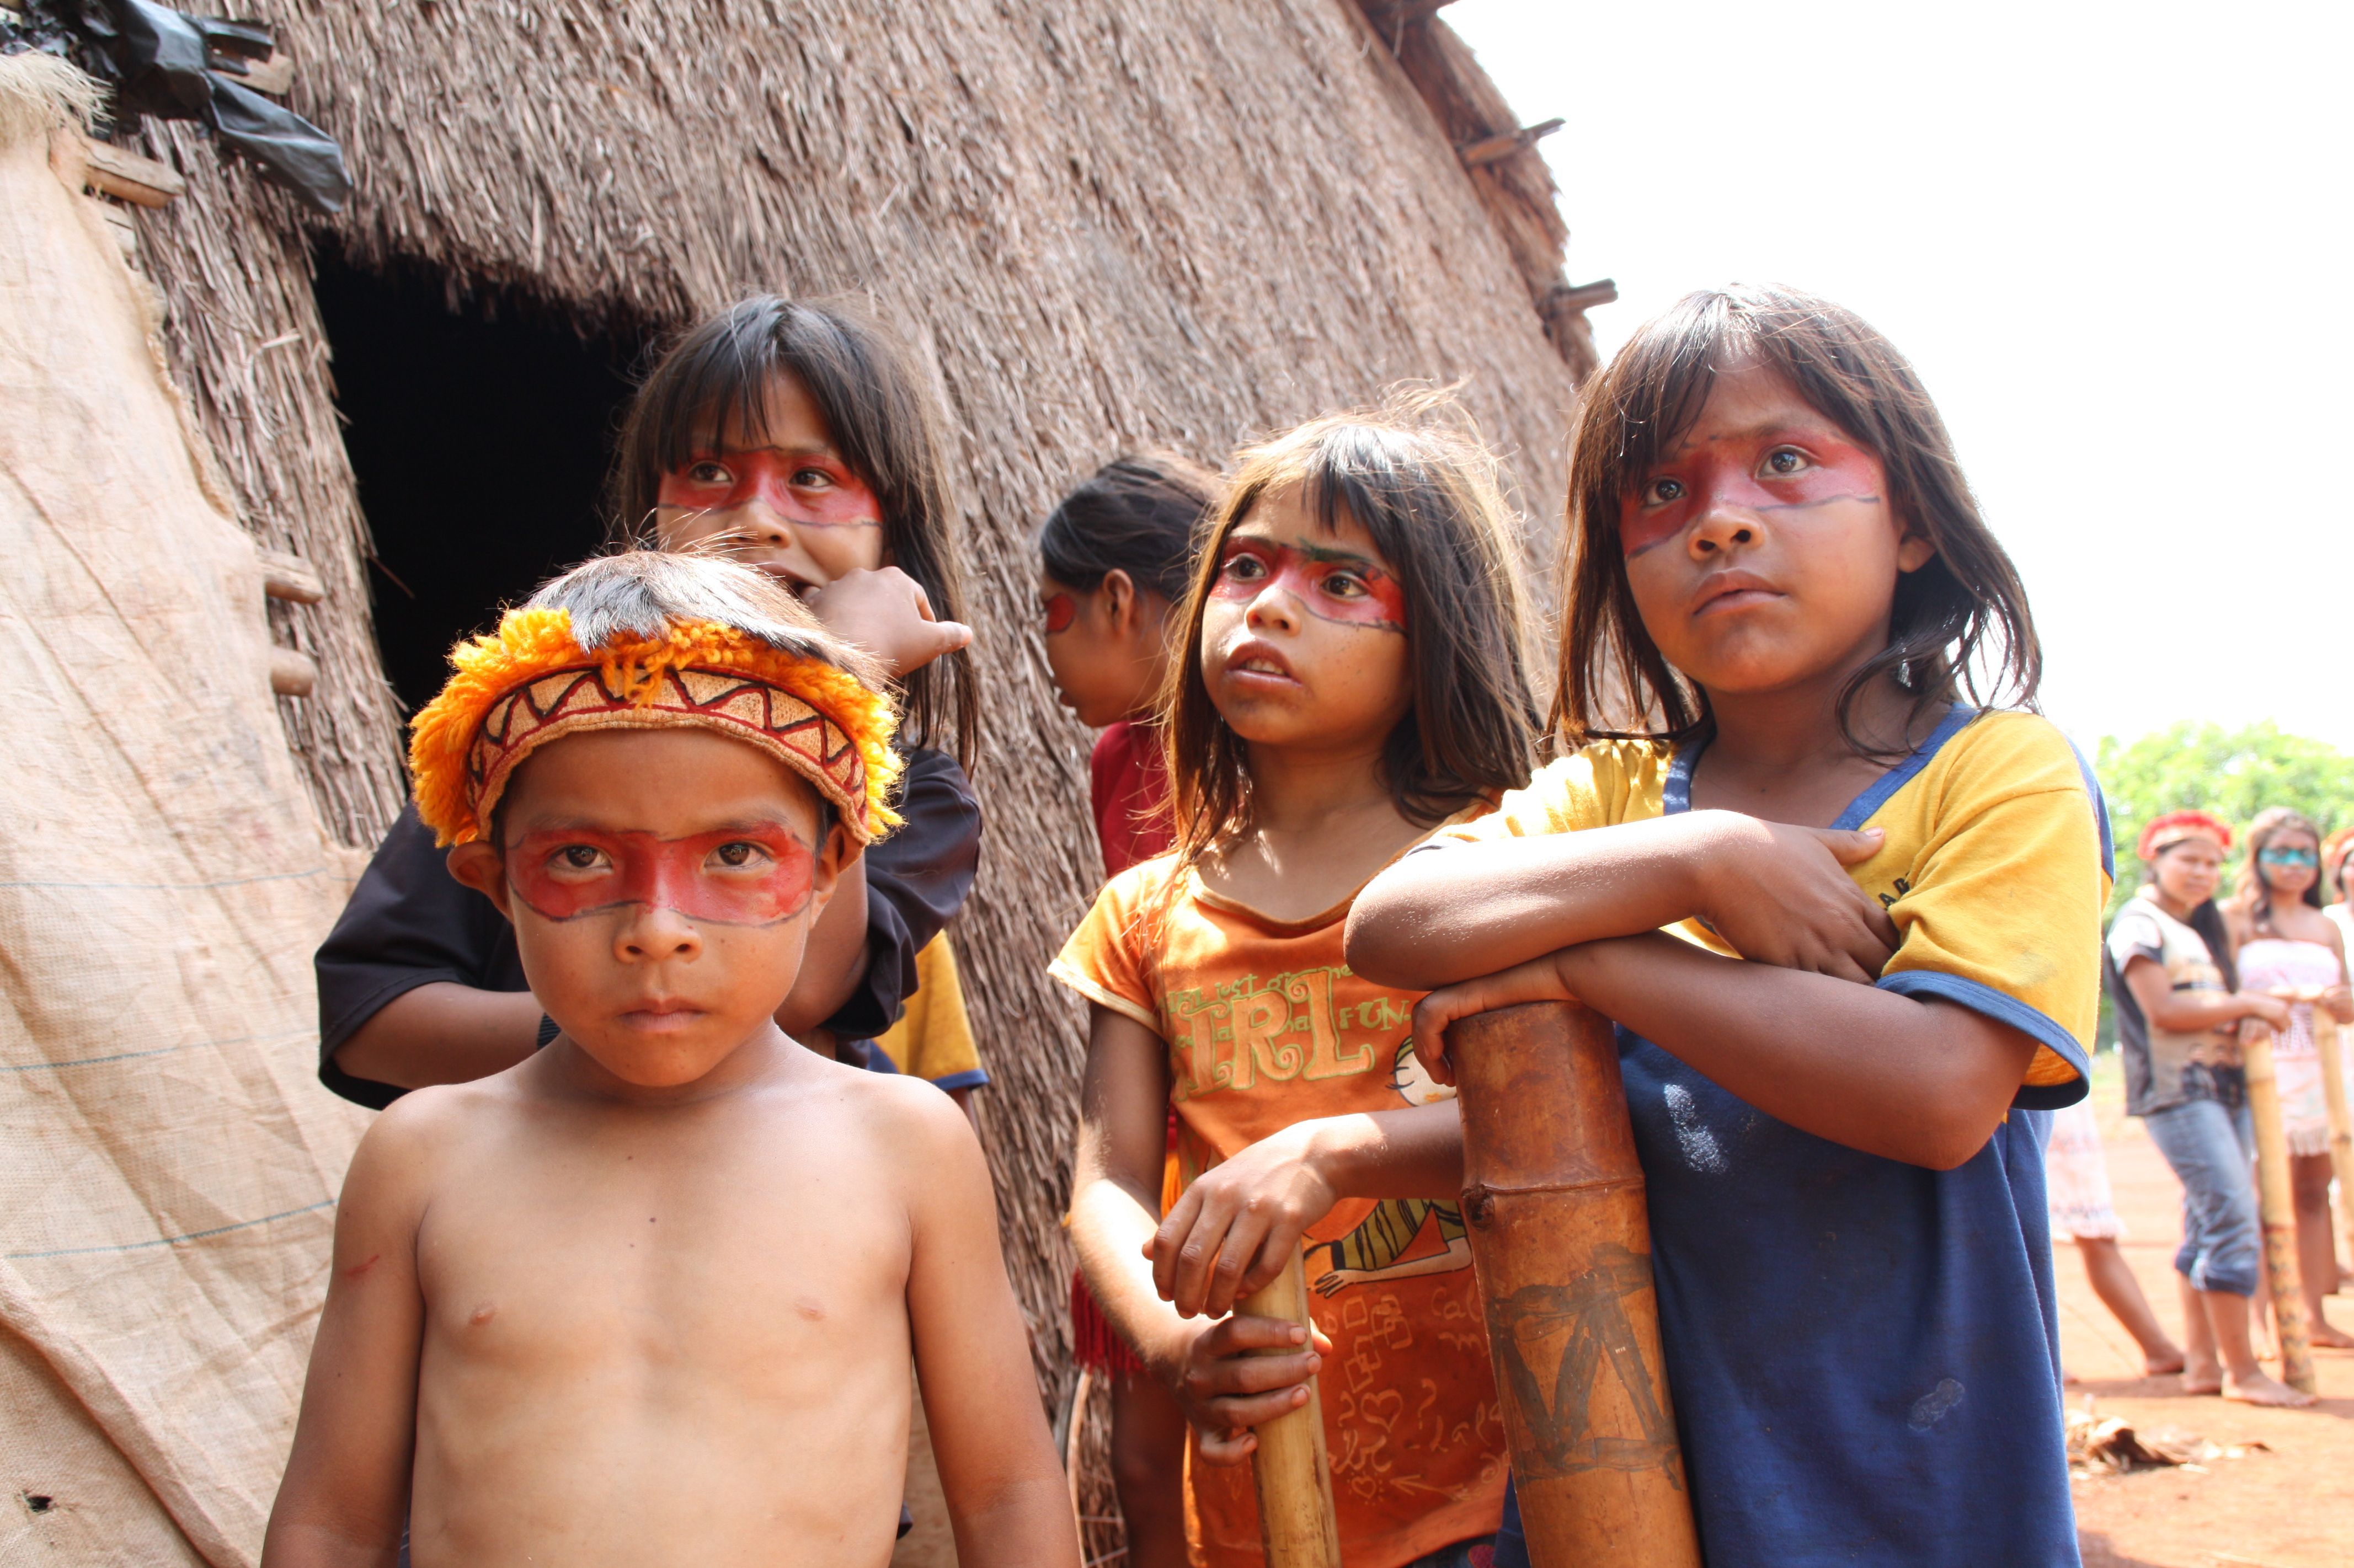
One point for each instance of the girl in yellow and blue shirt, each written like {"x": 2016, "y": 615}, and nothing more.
{"x": 1840, "y": 889}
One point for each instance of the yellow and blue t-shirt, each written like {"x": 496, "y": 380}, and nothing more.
{"x": 1864, "y": 1354}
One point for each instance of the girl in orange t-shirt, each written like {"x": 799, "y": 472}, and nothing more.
{"x": 1355, "y": 677}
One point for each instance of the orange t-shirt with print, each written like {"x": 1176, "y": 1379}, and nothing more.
{"x": 1266, "y": 1026}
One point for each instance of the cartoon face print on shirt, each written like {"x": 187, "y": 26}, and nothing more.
{"x": 1333, "y": 585}
{"x": 756, "y": 876}
{"x": 1413, "y": 1081}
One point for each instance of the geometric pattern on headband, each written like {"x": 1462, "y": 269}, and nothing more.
{"x": 569, "y": 700}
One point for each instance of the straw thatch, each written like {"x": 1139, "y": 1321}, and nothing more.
{"x": 1103, "y": 225}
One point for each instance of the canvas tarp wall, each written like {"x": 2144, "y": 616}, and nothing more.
{"x": 168, "y": 1167}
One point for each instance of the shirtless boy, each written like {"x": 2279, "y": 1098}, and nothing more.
{"x": 650, "y": 1296}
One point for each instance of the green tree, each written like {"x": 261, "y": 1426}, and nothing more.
{"x": 2233, "y": 773}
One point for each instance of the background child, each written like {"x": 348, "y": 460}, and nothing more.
{"x": 2282, "y": 945}
{"x": 2083, "y": 1210}
{"x": 798, "y": 438}
{"x": 1115, "y": 555}
{"x": 1354, "y": 677}
{"x": 1776, "y": 572}
{"x": 2167, "y": 966}
{"x": 628, "y": 770}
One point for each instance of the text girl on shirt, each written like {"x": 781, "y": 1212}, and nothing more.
{"x": 1786, "y": 629}
{"x": 798, "y": 438}
{"x": 1354, "y": 677}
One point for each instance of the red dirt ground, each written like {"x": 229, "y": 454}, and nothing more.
{"x": 2287, "y": 1505}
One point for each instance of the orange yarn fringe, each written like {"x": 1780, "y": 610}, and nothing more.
{"x": 530, "y": 643}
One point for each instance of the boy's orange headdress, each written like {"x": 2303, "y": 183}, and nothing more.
{"x": 772, "y": 685}
{"x": 2164, "y": 832}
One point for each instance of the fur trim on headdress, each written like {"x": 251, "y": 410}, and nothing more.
{"x": 531, "y": 682}
{"x": 2164, "y": 832}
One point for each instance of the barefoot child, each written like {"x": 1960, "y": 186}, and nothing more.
{"x": 2170, "y": 972}
{"x": 798, "y": 438}
{"x": 1115, "y": 557}
{"x": 2282, "y": 945}
{"x": 1778, "y": 592}
{"x": 1352, "y": 678}
{"x": 2076, "y": 1172}
{"x": 649, "y": 1296}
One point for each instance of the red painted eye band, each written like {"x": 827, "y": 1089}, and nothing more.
{"x": 737, "y": 876}
{"x": 813, "y": 491}
{"x": 1061, "y": 611}
{"x": 1332, "y": 585}
{"x": 1741, "y": 478}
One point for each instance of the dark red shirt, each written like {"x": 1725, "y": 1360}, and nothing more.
{"x": 1128, "y": 789}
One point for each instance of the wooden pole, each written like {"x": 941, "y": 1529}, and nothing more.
{"x": 1561, "y": 1238}
{"x": 1290, "y": 1467}
{"x": 2276, "y": 1202}
{"x": 2332, "y": 1052}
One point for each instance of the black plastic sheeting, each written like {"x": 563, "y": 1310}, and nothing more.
{"x": 177, "y": 67}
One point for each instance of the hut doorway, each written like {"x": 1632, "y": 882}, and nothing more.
{"x": 479, "y": 442}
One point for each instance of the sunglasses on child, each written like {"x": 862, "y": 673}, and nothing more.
{"x": 2288, "y": 857}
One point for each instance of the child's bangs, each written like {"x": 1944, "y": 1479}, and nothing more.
{"x": 718, "y": 393}
{"x": 1653, "y": 394}
{"x": 1394, "y": 482}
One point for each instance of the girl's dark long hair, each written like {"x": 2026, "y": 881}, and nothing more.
{"x": 2207, "y": 921}
{"x": 2252, "y": 894}
{"x": 1138, "y": 515}
{"x": 884, "y": 421}
{"x": 1962, "y": 612}
{"x": 1425, "y": 489}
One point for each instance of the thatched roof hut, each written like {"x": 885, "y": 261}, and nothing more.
{"x": 1103, "y": 225}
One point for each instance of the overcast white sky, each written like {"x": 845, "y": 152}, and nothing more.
{"x": 2115, "y": 240}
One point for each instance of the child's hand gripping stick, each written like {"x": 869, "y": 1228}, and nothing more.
{"x": 1561, "y": 1238}
{"x": 1289, "y": 1467}
{"x": 2276, "y": 1204}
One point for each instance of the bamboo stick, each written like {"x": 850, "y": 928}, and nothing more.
{"x": 2276, "y": 1202}
{"x": 1561, "y": 1237}
{"x": 2332, "y": 1052}
{"x": 1290, "y": 1467}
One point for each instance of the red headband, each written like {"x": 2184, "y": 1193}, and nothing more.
{"x": 2164, "y": 832}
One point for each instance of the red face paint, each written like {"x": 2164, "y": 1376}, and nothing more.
{"x": 737, "y": 876}
{"x": 1061, "y": 611}
{"x": 1769, "y": 474}
{"x": 1333, "y": 585}
{"x": 815, "y": 492}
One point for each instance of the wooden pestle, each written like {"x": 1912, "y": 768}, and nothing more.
{"x": 1561, "y": 1237}
{"x": 2276, "y": 1204}
{"x": 2330, "y": 1048}
{"x": 1290, "y": 1467}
